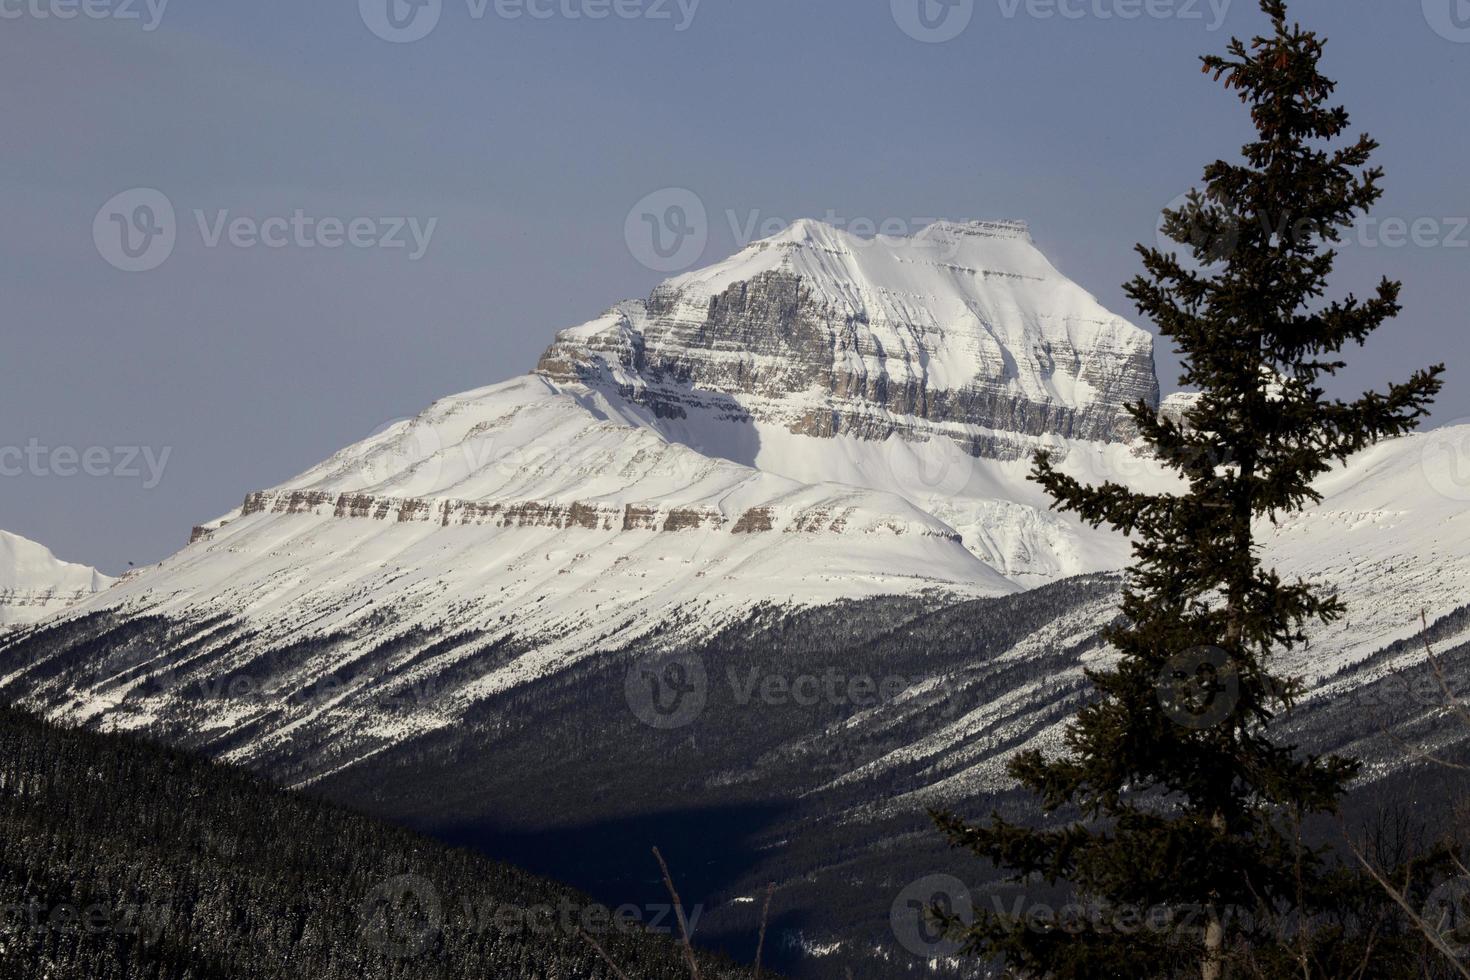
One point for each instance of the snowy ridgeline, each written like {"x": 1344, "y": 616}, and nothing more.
{"x": 34, "y": 583}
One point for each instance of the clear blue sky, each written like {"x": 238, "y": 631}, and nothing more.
{"x": 530, "y": 139}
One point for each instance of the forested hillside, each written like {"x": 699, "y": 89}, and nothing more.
{"x": 119, "y": 859}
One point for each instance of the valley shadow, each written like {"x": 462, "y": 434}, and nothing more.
{"x": 710, "y": 851}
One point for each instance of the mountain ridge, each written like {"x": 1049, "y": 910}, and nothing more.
{"x": 508, "y": 534}
{"x": 34, "y": 583}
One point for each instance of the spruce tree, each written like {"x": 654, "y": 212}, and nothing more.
{"x": 1173, "y": 797}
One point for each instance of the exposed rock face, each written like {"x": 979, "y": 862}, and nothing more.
{"x": 966, "y": 331}
{"x": 1177, "y": 405}
{"x": 822, "y": 518}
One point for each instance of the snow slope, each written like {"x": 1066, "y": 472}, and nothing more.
{"x": 34, "y": 583}
{"x": 526, "y": 510}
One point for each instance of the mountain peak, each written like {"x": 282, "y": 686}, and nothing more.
{"x": 961, "y": 327}
{"x": 936, "y": 261}
{"x": 815, "y": 231}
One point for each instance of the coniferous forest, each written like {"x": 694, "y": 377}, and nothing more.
{"x": 120, "y": 859}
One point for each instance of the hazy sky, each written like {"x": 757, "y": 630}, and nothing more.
{"x": 516, "y": 147}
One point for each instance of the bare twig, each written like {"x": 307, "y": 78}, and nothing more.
{"x": 679, "y": 913}
{"x": 1368, "y": 947}
{"x": 1429, "y": 931}
{"x": 760, "y": 946}
{"x": 603, "y": 953}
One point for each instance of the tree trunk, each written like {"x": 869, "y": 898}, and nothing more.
{"x": 1213, "y": 965}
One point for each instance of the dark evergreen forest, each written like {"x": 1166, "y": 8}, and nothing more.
{"x": 121, "y": 860}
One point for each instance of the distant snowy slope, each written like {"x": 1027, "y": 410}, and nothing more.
{"x": 34, "y": 583}
{"x": 1392, "y": 536}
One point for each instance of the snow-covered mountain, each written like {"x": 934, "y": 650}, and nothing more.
{"x": 34, "y": 583}
{"x": 818, "y": 418}
{"x": 809, "y": 461}
{"x": 931, "y": 367}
